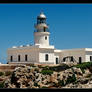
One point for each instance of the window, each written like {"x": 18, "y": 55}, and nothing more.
{"x": 11, "y": 58}
{"x": 25, "y": 57}
{"x": 56, "y": 60}
{"x": 80, "y": 60}
{"x": 46, "y": 57}
{"x": 45, "y": 37}
{"x": 44, "y": 29}
{"x": 90, "y": 58}
{"x": 18, "y": 57}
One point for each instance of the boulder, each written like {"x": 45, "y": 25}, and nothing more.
{"x": 77, "y": 71}
{"x": 53, "y": 77}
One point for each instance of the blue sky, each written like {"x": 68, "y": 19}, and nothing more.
{"x": 70, "y": 25}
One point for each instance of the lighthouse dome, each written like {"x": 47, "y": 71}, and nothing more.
{"x": 41, "y": 15}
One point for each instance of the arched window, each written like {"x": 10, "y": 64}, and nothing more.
{"x": 18, "y": 57}
{"x": 45, "y": 37}
{"x": 11, "y": 58}
{"x": 25, "y": 57}
{"x": 46, "y": 57}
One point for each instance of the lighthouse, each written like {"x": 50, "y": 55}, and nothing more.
{"x": 41, "y": 34}
{"x": 39, "y": 53}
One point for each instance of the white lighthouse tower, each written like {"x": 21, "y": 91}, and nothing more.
{"x": 41, "y": 34}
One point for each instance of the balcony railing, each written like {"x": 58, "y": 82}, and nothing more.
{"x": 46, "y": 30}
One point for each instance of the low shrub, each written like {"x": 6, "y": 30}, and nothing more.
{"x": 2, "y": 85}
{"x": 71, "y": 79}
{"x": 7, "y": 73}
{"x": 40, "y": 66}
{"x": 55, "y": 84}
{"x": 83, "y": 66}
{"x": 90, "y": 69}
{"x": 83, "y": 70}
{"x": 59, "y": 67}
{"x": 36, "y": 84}
{"x": 89, "y": 75}
{"x": 46, "y": 68}
{"x": 1, "y": 73}
{"x": 61, "y": 83}
{"x": 36, "y": 69}
{"x": 47, "y": 72}
{"x": 32, "y": 65}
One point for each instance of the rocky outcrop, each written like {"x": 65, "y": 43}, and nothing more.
{"x": 32, "y": 77}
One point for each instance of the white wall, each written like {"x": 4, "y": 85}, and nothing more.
{"x": 88, "y": 54}
{"x": 50, "y": 53}
{"x": 87, "y": 58}
{"x": 57, "y": 55}
{"x": 39, "y": 38}
{"x": 76, "y": 53}
{"x": 33, "y": 55}
{"x": 50, "y": 58}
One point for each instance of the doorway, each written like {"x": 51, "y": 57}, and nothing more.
{"x": 80, "y": 60}
{"x": 56, "y": 60}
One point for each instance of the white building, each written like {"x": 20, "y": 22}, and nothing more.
{"x": 44, "y": 53}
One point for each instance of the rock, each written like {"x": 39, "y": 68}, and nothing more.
{"x": 38, "y": 77}
{"x": 90, "y": 82}
{"x": 1, "y": 79}
{"x": 77, "y": 71}
{"x": 53, "y": 77}
{"x": 31, "y": 77}
{"x": 87, "y": 73}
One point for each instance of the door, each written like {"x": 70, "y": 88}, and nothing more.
{"x": 56, "y": 60}
{"x": 80, "y": 60}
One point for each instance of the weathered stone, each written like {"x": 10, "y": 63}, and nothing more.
{"x": 53, "y": 77}
{"x": 31, "y": 77}
{"x": 77, "y": 71}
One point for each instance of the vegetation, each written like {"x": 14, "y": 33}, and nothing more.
{"x": 71, "y": 79}
{"x": 1, "y": 73}
{"x": 32, "y": 65}
{"x": 47, "y": 72}
{"x": 61, "y": 83}
{"x": 36, "y": 84}
{"x": 90, "y": 69}
{"x": 83, "y": 66}
{"x": 7, "y": 73}
{"x": 2, "y": 85}
{"x": 59, "y": 67}
{"x": 36, "y": 69}
{"x": 47, "y": 83}
{"x": 46, "y": 67}
{"x": 89, "y": 75}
